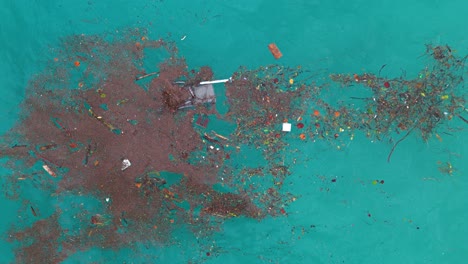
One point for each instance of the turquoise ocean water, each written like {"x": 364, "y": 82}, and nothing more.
{"x": 418, "y": 215}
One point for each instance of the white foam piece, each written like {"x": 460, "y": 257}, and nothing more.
{"x": 216, "y": 81}
{"x": 125, "y": 164}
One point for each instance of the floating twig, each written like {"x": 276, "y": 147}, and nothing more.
{"x": 19, "y": 146}
{"x": 108, "y": 125}
{"x": 44, "y": 159}
{"x": 398, "y": 142}
{"x": 212, "y": 140}
{"x": 47, "y": 147}
{"x": 220, "y": 136}
{"x": 383, "y": 66}
{"x": 145, "y": 76}
{"x": 33, "y": 211}
{"x": 87, "y": 155}
{"x": 463, "y": 119}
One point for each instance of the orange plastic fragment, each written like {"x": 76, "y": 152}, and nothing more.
{"x": 302, "y": 136}
{"x": 356, "y": 77}
{"x": 316, "y": 113}
{"x": 168, "y": 194}
{"x": 274, "y": 50}
{"x": 138, "y": 185}
{"x": 337, "y": 114}
{"x": 77, "y": 63}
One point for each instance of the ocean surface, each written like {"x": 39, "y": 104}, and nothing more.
{"x": 418, "y": 215}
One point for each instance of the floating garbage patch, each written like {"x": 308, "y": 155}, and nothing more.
{"x": 145, "y": 153}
